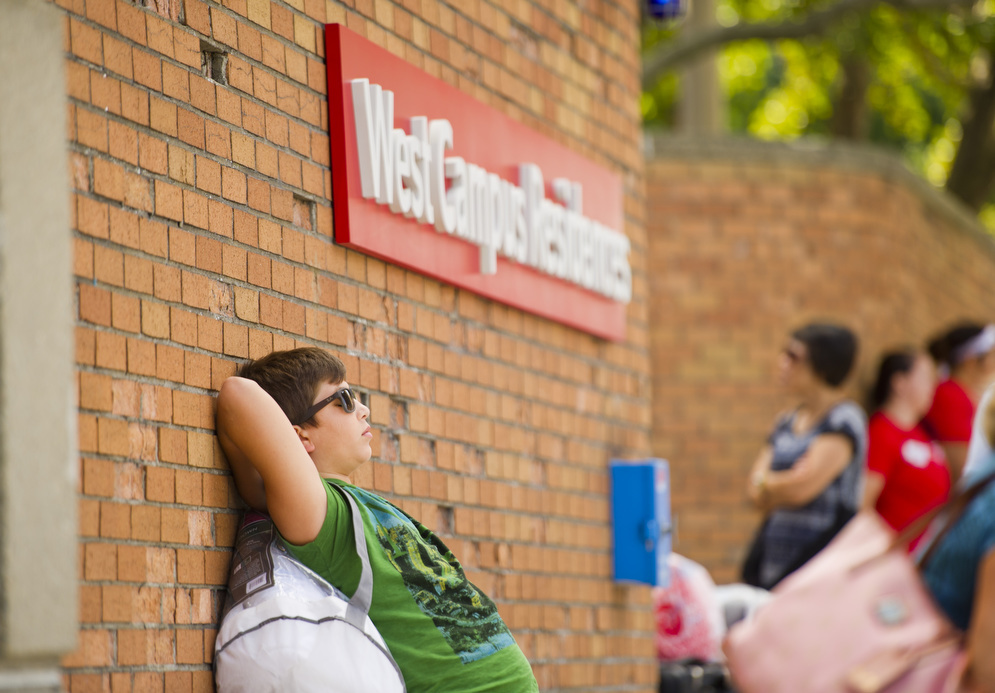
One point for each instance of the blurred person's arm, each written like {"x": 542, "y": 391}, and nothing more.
{"x": 873, "y": 485}
{"x": 956, "y": 454}
{"x": 826, "y": 458}
{"x": 272, "y": 468}
{"x": 757, "y": 482}
{"x": 981, "y": 635}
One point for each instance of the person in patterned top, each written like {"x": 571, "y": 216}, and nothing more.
{"x": 807, "y": 477}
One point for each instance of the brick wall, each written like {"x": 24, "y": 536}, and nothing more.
{"x": 202, "y": 225}
{"x": 749, "y": 240}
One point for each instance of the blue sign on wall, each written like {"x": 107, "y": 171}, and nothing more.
{"x": 641, "y": 526}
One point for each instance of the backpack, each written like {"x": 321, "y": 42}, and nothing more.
{"x": 286, "y": 629}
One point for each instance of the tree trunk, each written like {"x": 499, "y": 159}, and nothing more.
{"x": 700, "y": 109}
{"x": 973, "y": 172}
{"x": 850, "y": 113}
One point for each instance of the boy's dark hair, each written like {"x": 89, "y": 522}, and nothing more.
{"x": 943, "y": 346}
{"x": 293, "y": 377}
{"x": 892, "y": 363}
{"x": 832, "y": 350}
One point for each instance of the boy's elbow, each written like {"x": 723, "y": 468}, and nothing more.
{"x": 234, "y": 392}
{"x": 234, "y": 387}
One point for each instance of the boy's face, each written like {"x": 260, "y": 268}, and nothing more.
{"x": 341, "y": 439}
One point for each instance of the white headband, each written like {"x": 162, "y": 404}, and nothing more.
{"x": 979, "y": 344}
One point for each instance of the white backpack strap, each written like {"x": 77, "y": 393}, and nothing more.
{"x": 359, "y": 604}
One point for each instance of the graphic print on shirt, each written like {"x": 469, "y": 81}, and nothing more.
{"x": 466, "y": 618}
{"x": 917, "y": 453}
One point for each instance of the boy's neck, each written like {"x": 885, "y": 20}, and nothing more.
{"x": 340, "y": 477}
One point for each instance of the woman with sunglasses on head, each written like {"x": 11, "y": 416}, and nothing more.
{"x": 806, "y": 479}
{"x": 907, "y": 474}
{"x": 965, "y": 355}
{"x": 292, "y": 429}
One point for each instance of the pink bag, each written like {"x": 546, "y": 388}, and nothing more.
{"x": 855, "y": 619}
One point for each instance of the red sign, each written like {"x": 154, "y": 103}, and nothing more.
{"x": 428, "y": 178}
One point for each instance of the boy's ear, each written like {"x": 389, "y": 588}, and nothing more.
{"x": 305, "y": 438}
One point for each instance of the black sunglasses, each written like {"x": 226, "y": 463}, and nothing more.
{"x": 345, "y": 395}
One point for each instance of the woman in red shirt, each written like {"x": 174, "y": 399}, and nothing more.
{"x": 907, "y": 473}
{"x": 965, "y": 355}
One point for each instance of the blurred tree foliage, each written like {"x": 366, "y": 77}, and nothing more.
{"x": 913, "y": 75}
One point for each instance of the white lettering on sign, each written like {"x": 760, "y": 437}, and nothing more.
{"x": 411, "y": 175}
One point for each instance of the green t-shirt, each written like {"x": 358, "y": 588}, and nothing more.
{"x": 444, "y": 633}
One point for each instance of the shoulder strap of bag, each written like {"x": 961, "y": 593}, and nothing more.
{"x": 359, "y": 604}
{"x": 952, "y": 509}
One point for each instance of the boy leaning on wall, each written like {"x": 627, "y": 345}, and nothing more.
{"x": 291, "y": 427}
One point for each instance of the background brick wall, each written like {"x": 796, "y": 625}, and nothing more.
{"x": 750, "y": 240}
{"x": 202, "y": 226}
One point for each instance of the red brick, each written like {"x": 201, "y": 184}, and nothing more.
{"x": 189, "y": 647}
{"x": 258, "y": 195}
{"x": 91, "y": 129}
{"x": 125, "y": 313}
{"x": 168, "y": 201}
{"x": 172, "y": 446}
{"x": 190, "y": 126}
{"x": 152, "y": 154}
{"x": 147, "y": 70}
{"x": 218, "y": 139}
{"x": 159, "y": 34}
{"x": 195, "y": 210}
{"x": 93, "y": 649}
{"x": 163, "y": 116}
{"x": 229, "y": 106}
{"x": 111, "y": 351}
{"x": 253, "y": 117}
{"x": 220, "y": 219}
{"x": 182, "y": 165}
{"x": 239, "y": 74}
{"x": 155, "y": 319}
{"x": 166, "y": 282}
{"x": 135, "y": 105}
{"x": 216, "y": 493}
{"x": 234, "y": 185}
{"x": 175, "y": 525}
{"x": 85, "y": 42}
{"x": 105, "y": 93}
{"x": 98, "y": 477}
{"x": 277, "y": 129}
{"x": 133, "y": 647}
{"x": 125, "y": 229}
{"x": 123, "y": 142}
{"x": 154, "y": 238}
{"x": 141, "y": 357}
{"x": 146, "y": 523}
{"x": 267, "y": 160}
{"x": 94, "y": 305}
{"x": 186, "y": 48}
{"x": 159, "y": 484}
{"x": 183, "y": 326}
{"x": 179, "y": 681}
{"x": 198, "y": 16}
{"x": 224, "y": 27}
{"x": 189, "y": 488}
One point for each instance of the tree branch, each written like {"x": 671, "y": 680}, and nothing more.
{"x": 668, "y": 55}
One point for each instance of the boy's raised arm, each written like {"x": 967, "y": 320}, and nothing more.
{"x": 272, "y": 470}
